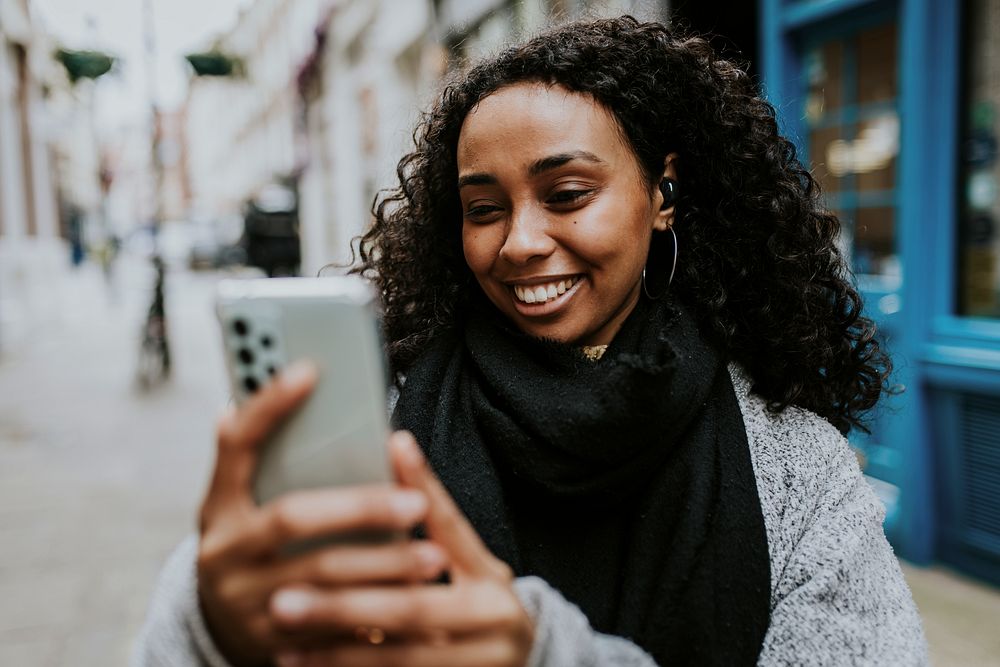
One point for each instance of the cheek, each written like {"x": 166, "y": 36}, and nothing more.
{"x": 616, "y": 236}
{"x": 480, "y": 248}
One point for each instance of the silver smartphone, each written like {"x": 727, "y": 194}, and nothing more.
{"x": 338, "y": 436}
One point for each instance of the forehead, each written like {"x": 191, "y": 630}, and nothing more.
{"x": 519, "y": 124}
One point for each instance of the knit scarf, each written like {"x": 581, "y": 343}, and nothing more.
{"x": 625, "y": 483}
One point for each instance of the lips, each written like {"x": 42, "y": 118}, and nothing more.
{"x": 545, "y": 307}
{"x": 544, "y": 292}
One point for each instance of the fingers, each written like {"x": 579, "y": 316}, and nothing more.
{"x": 403, "y": 561}
{"x": 398, "y": 611}
{"x": 399, "y": 562}
{"x": 445, "y": 523}
{"x": 488, "y": 651}
{"x": 241, "y": 430}
{"x": 318, "y": 513}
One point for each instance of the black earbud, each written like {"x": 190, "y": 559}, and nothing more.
{"x": 668, "y": 187}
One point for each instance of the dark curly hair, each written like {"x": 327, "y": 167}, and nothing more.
{"x": 760, "y": 263}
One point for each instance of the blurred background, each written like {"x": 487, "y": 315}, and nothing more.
{"x": 150, "y": 147}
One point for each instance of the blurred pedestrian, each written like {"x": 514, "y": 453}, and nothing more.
{"x": 627, "y": 345}
{"x": 154, "y": 347}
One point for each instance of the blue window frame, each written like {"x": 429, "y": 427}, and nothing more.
{"x": 899, "y": 452}
{"x": 934, "y": 454}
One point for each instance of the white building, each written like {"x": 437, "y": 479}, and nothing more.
{"x": 31, "y": 249}
{"x": 240, "y": 130}
{"x": 376, "y": 64}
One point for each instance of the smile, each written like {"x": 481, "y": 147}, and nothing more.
{"x": 544, "y": 292}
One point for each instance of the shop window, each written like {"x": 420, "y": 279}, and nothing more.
{"x": 853, "y": 138}
{"x": 978, "y": 206}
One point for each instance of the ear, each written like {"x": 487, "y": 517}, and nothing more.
{"x": 664, "y": 219}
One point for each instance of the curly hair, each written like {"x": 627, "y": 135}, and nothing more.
{"x": 760, "y": 266}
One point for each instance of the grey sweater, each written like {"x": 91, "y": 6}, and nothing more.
{"x": 837, "y": 594}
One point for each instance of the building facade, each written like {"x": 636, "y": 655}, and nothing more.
{"x": 31, "y": 248}
{"x": 894, "y": 103}
{"x": 240, "y": 130}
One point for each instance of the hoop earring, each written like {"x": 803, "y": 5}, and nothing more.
{"x": 673, "y": 269}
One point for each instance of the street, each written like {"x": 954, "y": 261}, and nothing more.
{"x": 99, "y": 480}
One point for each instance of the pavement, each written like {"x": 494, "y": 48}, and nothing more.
{"x": 99, "y": 480}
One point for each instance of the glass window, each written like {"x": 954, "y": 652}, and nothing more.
{"x": 978, "y": 207}
{"x": 853, "y": 141}
{"x": 874, "y": 241}
{"x": 822, "y": 152}
{"x": 877, "y": 64}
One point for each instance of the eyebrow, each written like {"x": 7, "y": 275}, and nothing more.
{"x": 536, "y": 168}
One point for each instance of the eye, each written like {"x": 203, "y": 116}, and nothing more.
{"x": 481, "y": 212}
{"x": 565, "y": 197}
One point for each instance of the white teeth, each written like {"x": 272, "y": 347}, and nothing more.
{"x": 543, "y": 293}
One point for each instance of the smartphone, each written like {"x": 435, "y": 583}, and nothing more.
{"x": 337, "y": 437}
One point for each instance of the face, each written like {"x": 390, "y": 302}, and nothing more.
{"x": 557, "y": 218}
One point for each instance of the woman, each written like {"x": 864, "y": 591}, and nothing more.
{"x": 627, "y": 345}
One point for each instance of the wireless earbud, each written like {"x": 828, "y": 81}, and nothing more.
{"x": 668, "y": 187}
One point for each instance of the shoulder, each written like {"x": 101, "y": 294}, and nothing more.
{"x": 796, "y": 453}
{"x": 793, "y": 441}
{"x": 837, "y": 594}
{"x": 805, "y": 470}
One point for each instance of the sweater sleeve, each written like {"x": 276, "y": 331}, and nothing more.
{"x": 174, "y": 633}
{"x": 563, "y": 636}
{"x": 839, "y": 598}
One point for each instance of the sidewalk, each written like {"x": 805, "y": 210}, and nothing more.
{"x": 97, "y": 480}
{"x": 961, "y": 616}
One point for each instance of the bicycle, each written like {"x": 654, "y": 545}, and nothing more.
{"x": 154, "y": 348}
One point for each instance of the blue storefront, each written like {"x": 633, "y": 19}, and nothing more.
{"x": 896, "y": 105}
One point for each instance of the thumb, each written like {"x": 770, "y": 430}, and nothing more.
{"x": 241, "y": 431}
{"x": 446, "y": 524}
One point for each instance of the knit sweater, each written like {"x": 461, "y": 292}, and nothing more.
{"x": 837, "y": 594}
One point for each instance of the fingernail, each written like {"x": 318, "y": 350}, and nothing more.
{"x": 290, "y": 660}
{"x": 410, "y": 448}
{"x": 291, "y": 604}
{"x": 408, "y": 505}
{"x": 298, "y": 374}
{"x": 432, "y": 559}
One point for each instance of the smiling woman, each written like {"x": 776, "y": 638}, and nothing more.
{"x": 615, "y": 462}
{"x": 557, "y": 217}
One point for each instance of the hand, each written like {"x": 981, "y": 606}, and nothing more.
{"x": 240, "y": 561}
{"x": 477, "y": 619}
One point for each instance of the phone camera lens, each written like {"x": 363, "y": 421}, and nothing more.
{"x": 241, "y": 327}
{"x": 245, "y": 355}
{"x": 250, "y": 384}
{"x": 266, "y": 341}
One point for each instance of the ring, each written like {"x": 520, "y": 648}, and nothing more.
{"x": 373, "y": 636}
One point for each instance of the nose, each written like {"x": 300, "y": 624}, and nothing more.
{"x": 527, "y": 238}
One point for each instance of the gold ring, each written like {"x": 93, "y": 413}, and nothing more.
{"x": 373, "y": 636}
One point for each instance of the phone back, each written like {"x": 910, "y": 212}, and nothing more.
{"x": 338, "y": 436}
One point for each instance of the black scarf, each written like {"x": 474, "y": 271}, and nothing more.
{"x": 625, "y": 483}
